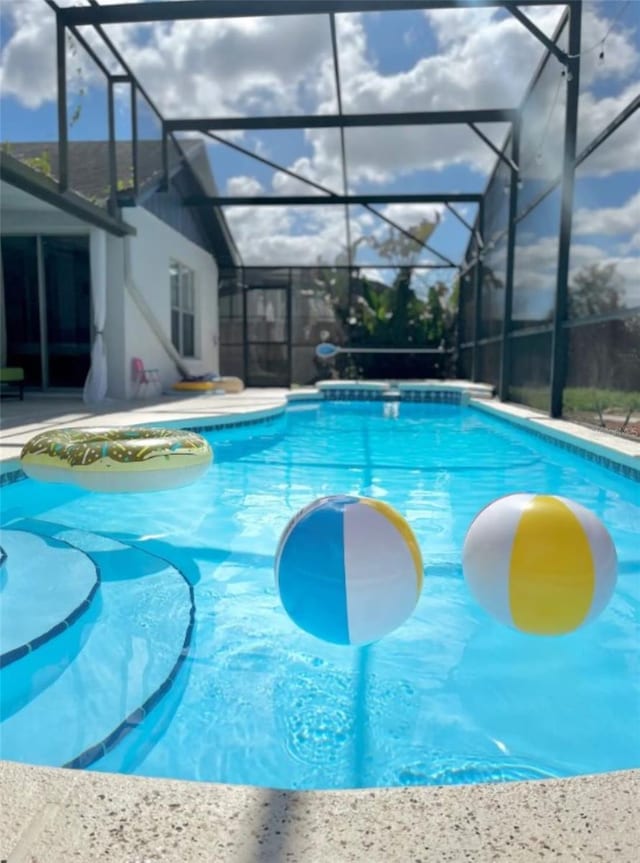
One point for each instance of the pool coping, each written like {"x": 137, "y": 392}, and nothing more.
{"x": 57, "y": 814}
{"x": 618, "y": 454}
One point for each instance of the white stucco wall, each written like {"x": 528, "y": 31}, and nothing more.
{"x": 117, "y": 371}
{"x": 152, "y": 249}
{"x": 127, "y": 334}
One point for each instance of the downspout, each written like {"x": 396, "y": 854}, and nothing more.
{"x": 147, "y": 313}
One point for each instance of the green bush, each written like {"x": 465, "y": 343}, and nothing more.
{"x": 599, "y": 401}
{"x": 533, "y": 397}
{"x": 580, "y": 399}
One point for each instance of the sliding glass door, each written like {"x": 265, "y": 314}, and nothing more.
{"x": 67, "y": 283}
{"x": 22, "y": 307}
{"x": 47, "y": 308}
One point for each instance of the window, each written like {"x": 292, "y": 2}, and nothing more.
{"x": 182, "y": 309}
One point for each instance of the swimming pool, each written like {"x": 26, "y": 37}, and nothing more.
{"x": 169, "y": 604}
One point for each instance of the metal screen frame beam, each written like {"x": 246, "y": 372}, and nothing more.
{"x": 331, "y": 200}
{"x": 460, "y": 218}
{"x": 276, "y": 167}
{"x": 505, "y": 347}
{"x": 335, "y": 121}
{"x": 63, "y": 128}
{"x": 179, "y": 10}
{"x": 559, "y": 338}
{"x": 113, "y": 163}
{"x": 621, "y": 118}
{"x": 477, "y": 312}
{"x": 549, "y": 44}
{"x": 135, "y": 83}
{"x": 135, "y": 162}
{"x": 343, "y": 152}
{"x": 499, "y": 153}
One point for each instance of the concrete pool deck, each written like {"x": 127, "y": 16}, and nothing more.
{"x": 57, "y": 816}
{"x": 51, "y": 815}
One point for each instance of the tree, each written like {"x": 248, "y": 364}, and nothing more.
{"x": 405, "y": 313}
{"x": 595, "y": 290}
{"x": 422, "y": 322}
{"x": 372, "y": 313}
{"x": 399, "y": 248}
{"x": 604, "y": 357}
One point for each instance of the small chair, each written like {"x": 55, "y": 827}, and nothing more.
{"x": 143, "y": 377}
{"x": 12, "y": 381}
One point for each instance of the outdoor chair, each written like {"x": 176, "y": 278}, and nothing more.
{"x": 12, "y": 382}
{"x": 143, "y": 377}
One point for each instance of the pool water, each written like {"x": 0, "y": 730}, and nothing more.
{"x": 186, "y": 621}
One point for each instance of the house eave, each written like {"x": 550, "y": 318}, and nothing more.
{"x": 17, "y": 174}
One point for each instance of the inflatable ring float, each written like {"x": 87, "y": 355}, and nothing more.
{"x": 125, "y": 459}
{"x": 229, "y": 385}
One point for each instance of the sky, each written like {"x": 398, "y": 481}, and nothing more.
{"x": 389, "y": 62}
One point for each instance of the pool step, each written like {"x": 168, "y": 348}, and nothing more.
{"x": 133, "y": 641}
{"x": 45, "y": 586}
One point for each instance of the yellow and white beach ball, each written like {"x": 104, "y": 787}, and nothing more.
{"x": 348, "y": 569}
{"x": 541, "y": 563}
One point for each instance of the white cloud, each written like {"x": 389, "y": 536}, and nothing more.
{"x": 275, "y": 234}
{"x": 29, "y": 57}
{"x": 610, "y": 221}
{"x": 621, "y": 58}
{"x": 409, "y": 215}
{"x": 230, "y": 67}
{"x": 621, "y": 152}
{"x": 374, "y": 274}
{"x": 484, "y": 58}
{"x": 243, "y": 185}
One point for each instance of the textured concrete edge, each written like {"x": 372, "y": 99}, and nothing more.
{"x": 239, "y": 417}
{"x": 620, "y": 450}
{"x": 52, "y": 814}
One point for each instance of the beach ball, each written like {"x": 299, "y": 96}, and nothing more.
{"x": 541, "y": 563}
{"x": 348, "y": 569}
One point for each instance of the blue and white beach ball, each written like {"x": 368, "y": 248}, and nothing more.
{"x": 348, "y": 569}
{"x": 540, "y": 563}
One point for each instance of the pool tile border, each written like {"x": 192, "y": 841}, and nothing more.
{"x": 93, "y": 753}
{"x": 430, "y": 396}
{"x": 28, "y": 647}
{"x": 625, "y": 470}
{"x": 560, "y": 439}
{"x": 10, "y": 476}
{"x": 218, "y": 426}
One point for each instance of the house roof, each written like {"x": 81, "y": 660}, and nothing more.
{"x": 189, "y": 170}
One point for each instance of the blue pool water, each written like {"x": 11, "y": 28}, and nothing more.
{"x": 186, "y": 623}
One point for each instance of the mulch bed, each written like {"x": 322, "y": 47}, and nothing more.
{"x": 631, "y": 431}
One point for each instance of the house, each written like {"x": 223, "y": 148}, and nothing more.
{"x": 161, "y": 260}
